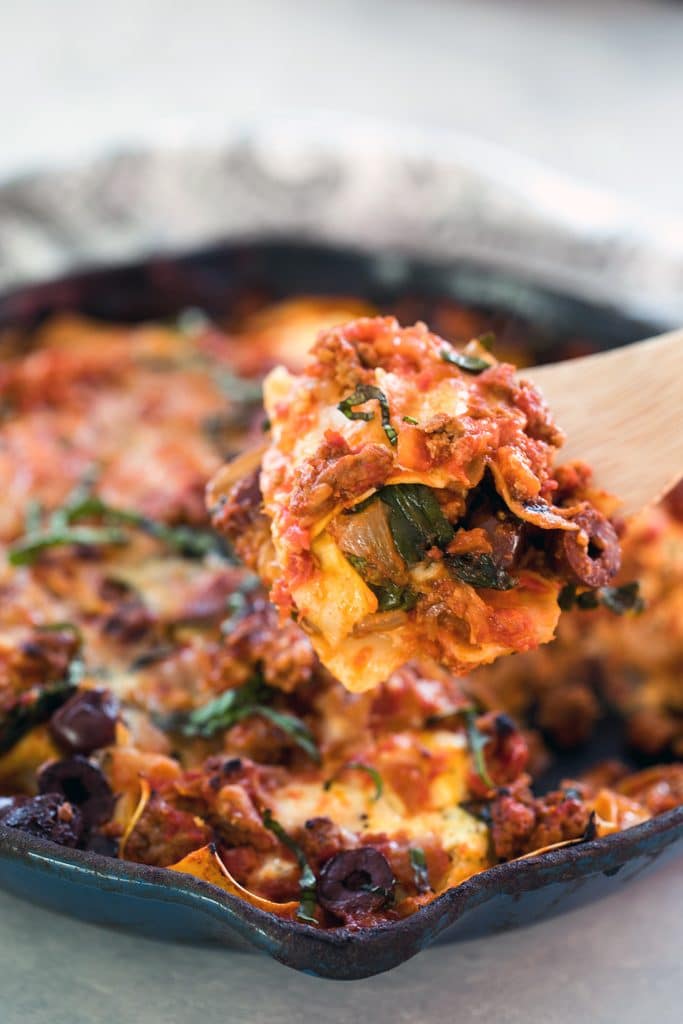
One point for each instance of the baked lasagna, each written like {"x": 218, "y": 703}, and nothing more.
{"x": 156, "y": 707}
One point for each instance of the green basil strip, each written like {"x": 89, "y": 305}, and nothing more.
{"x": 391, "y": 597}
{"x": 623, "y": 599}
{"x": 234, "y": 706}
{"x": 307, "y": 880}
{"x": 63, "y": 528}
{"x": 418, "y": 864}
{"x": 293, "y": 726}
{"x": 358, "y": 766}
{"x": 477, "y": 741}
{"x": 223, "y": 711}
{"x": 618, "y": 600}
{"x": 26, "y": 551}
{"x": 470, "y": 364}
{"x": 368, "y": 393}
{"x": 479, "y": 570}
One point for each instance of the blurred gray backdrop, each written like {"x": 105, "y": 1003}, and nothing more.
{"x": 592, "y": 88}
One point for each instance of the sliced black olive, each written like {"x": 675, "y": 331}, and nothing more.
{"x": 49, "y": 816}
{"x": 86, "y": 722}
{"x": 81, "y": 783}
{"x": 355, "y": 880}
{"x": 592, "y": 554}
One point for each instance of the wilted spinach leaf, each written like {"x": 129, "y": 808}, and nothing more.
{"x": 252, "y": 698}
{"x": 479, "y": 570}
{"x": 416, "y": 520}
{"x": 470, "y": 364}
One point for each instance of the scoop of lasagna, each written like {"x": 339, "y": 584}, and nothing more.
{"x": 407, "y": 502}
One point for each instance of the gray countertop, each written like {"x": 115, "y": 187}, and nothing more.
{"x": 593, "y": 89}
{"x": 615, "y": 962}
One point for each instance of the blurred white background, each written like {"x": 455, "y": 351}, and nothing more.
{"x": 593, "y": 89}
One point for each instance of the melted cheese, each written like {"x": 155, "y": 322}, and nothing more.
{"x": 335, "y": 598}
{"x": 351, "y": 803}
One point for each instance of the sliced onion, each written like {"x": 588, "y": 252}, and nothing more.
{"x": 366, "y": 536}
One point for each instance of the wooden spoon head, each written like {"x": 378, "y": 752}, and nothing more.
{"x": 622, "y": 412}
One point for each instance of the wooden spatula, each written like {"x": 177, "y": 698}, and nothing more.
{"x": 622, "y": 412}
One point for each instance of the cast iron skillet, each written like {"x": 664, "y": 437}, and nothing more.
{"x": 172, "y": 906}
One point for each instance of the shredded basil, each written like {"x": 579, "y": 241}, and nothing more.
{"x": 618, "y": 600}
{"x": 368, "y": 393}
{"x": 235, "y": 705}
{"x": 416, "y": 520}
{"x": 291, "y": 725}
{"x": 307, "y": 880}
{"x": 391, "y": 597}
{"x": 479, "y": 570}
{"x": 188, "y": 541}
{"x": 418, "y": 864}
{"x": 63, "y": 527}
{"x": 26, "y": 551}
{"x": 359, "y": 766}
{"x": 238, "y": 605}
{"x": 225, "y": 710}
{"x": 626, "y": 598}
{"x": 477, "y": 741}
{"x": 470, "y": 364}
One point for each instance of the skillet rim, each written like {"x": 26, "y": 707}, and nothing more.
{"x": 300, "y": 945}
